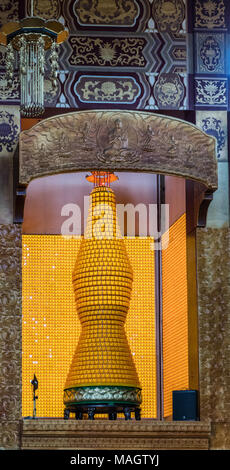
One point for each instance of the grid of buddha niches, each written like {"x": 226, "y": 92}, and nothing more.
{"x": 51, "y": 328}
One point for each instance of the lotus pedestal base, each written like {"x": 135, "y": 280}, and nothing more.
{"x": 109, "y": 400}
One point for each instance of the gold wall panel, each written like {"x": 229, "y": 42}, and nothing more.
{"x": 175, "y": 313}
{"x": 50, "y": 326}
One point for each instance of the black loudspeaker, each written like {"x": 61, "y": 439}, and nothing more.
{"x": 185, "y": 405}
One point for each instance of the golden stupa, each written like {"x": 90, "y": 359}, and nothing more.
{"x": 102, "y": 373}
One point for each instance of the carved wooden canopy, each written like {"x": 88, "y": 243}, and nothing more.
{"x": 117, "y": 141}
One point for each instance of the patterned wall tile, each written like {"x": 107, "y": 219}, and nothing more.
{"x": 173, "y": 52}
{"x": 8, "y": 11}
{"x": 210, "y": 92}
{"x": 218, "y": 211}
{"x": 210, "y": 14}
{"x": 83, "y": 90}
{"x": 210, "y": 53}
{"x": 169, "y": 92}
{"x": 46, "y": 9}
{"x": 112, "y": 89}
{"x": 215, "y": 123}
{"x": 9, "y": 93}
{"x": 122, "y": 15}
{"x": 9, "y": 128}
{"x": 90, "y": 51}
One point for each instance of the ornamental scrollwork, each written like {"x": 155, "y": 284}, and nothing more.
{"x": 107, "y": 89}
{"x": 8, "y": 131}
{"x": 211, "y": 54}
{"x": 120, "y": 52}
{"x": 211, "y": 92}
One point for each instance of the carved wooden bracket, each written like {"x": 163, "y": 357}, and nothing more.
{"x": 203, "y": 211}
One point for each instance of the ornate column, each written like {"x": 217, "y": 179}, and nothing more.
{"x": 214, "y": 332}
{"x": 10, "y": 335}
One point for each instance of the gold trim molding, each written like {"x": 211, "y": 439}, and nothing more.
{"x": 115, "y": 141}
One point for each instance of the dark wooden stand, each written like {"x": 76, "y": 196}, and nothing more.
{"x": 111, "y": 410}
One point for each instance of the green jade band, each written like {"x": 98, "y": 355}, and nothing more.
{"x": 102, "y": 394}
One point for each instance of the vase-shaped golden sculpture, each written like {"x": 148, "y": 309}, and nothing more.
{"x": 102, "y": 374}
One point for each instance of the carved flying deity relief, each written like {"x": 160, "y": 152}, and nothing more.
{"x": 118, "y": 140}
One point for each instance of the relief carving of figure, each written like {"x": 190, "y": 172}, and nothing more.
{"x": 117, "y": 137}
{"x": 118, "y": 148}
{"x": 158, "y": 142}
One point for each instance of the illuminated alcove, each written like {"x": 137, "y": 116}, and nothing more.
{"x": 157, "y": 324}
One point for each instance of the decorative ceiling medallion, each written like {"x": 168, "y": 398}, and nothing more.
{"x": 169, "y": 91}
{"x": 210, "y": 14}
{"x": 109, "y": 12}
{"x": 107, "y": 51}
{"x": 45, "y": 8}
{"x": 168, "y": 15}
{"x": 107, "y": 89}
{"x": 210, "y": 53}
